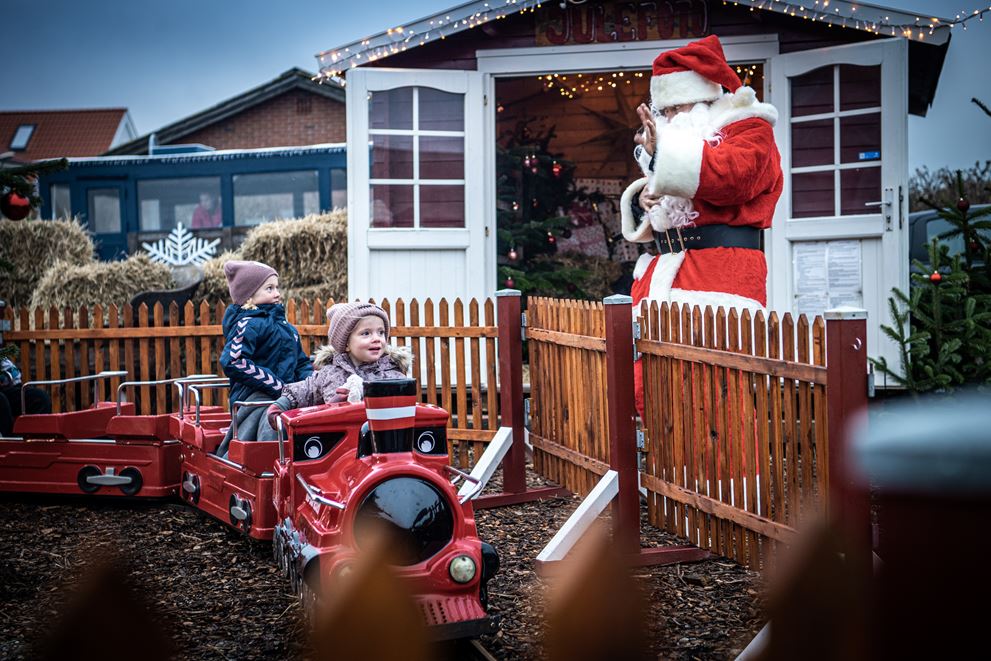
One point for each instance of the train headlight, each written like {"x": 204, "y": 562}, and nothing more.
{"x": 462, "y": 569}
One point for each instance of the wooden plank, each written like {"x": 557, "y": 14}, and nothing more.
{"x": 98, "y": 347}
{"x": 573, "y": 340}
{"x": 24, "y": 357}
{"x": 750, "y": 436}
{"x": 158, "y": 316}
{"x": 776, "y": 428}
{"x": 491, "y": 357}
{"x": 144, "y": 369}
{"x": 217, "y": 396}
{"x": 723, "y": 434}
{"x": 720, "y": 358}
{"x": 676, "y": 433}
{"x": 736, "y": 433}
{"x": 821, "y": 415}
{"x": 472, "y": 435}
{"x": 40, "y": 348}
{"x": 460, "y": 388}
{"x": 805, "y": 416}
{"x": 445, "y": 359}
{"x": 175, "y": 355}
{"x": 476, "y": 378}
{"x": 687, "y": 420}
{"x": 430, "y": 343}
{"x": 189, "y": 348}
{"x": 701, "y": 427}
{"x": 568, "y": 455}
{"x": 790, "y": 440}
{"x": 56, "y": 364}
{"x": 113, "y": 364}
{"x": 205, "y": 366}
{"x": 86, "y": 390}
{"x": 69, "y": 322}
{"x": 721, "y": 510}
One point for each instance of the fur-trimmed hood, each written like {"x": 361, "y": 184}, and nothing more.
{"x": 401, "y": 356}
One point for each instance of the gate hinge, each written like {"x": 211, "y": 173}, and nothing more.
{"x": 636, "y": 336}
{"x": 523, "y": 325}
{"x": 641, "y": 440}
{"x": 870, "y": 381}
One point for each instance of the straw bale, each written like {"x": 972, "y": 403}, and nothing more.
{"x": 214, "y": 285}
{"x": 312, "y": 250}
{"x": 103, "y": 283}
{"x": 32, "y": 247}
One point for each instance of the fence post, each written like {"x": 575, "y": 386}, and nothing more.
{"x": 622, "y": 431}
{"x": 509, "y": 313}
{"x": 846, "y": 388}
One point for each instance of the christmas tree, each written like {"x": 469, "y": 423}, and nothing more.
{"x": 943, "y": 327}
{"x": 18, "y": 194}
{"x": 536, "y": 190}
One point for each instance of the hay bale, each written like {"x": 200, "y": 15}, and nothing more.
{"x": 214, "y": 285}
{"x": 33, "y": 247}
{"x": 100, "y": 283}
{"x": 309, "y": 251}
{"x": 326, "y": 292}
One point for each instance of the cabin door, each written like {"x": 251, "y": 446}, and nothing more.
{"x": 840, "y": 234}
{"x": 100, "y": 206}
{"x": 417, "y": 221}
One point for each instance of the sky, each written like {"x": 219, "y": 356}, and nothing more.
{"x": 164, "y": 60}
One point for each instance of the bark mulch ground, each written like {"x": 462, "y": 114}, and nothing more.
{"x": 218, "y": 594}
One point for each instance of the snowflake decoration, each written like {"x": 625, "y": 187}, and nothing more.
{"x": 181, "y": 247}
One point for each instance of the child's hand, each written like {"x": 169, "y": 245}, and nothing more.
{"x": 273, "y": 412}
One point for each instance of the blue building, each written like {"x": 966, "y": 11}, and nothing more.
{"x": 127, "y": 200}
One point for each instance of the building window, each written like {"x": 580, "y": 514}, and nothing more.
{"x": 21, "y": 137}
{"x": 338, "y": 188}
{"x": 417, "y": 177}
{"x": 61, "y": 204}
{"x": 103, "y": 205}
{"x": 193, "y": 201}
{"x": 836, "y": 150}
{"x": 262, "y": 197}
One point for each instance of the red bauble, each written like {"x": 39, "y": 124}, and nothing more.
{"x": 510, "y": 283}
{"x": 14, "y": 206}
{"x": 512, "y": 255}
{"x": 556, "y": 168}
{"x": 963, "y": 204}
{"x": 935, "y": 277}
{"x": 551, "y": 239}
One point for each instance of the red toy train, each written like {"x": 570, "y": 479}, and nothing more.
{"x": 339, "y": 474}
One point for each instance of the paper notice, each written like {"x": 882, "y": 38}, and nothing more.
{"x": 827, "y": 274}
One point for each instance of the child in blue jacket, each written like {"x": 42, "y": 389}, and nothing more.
{"x": 263, "y": 351}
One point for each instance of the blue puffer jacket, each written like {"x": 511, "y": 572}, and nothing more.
{"x": 262, "y": 352}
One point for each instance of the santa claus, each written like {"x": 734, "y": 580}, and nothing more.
{"x": 712, "y": 179}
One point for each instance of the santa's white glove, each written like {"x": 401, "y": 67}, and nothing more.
{"x": 356, "y": 388}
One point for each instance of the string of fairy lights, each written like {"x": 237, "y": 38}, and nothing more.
{"x": 335, "y": 63}
{"x": 575, "y": 85}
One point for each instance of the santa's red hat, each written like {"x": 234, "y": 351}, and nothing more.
{"x": 692, "y": 73}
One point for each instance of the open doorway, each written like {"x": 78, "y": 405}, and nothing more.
{"x": 565, "y": 155}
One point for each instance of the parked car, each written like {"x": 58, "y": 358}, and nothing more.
{"x": 924, "y": 226}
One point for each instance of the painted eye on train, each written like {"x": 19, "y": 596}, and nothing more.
{"x": 308, "y": 447}
{"x": 411, "y": 513}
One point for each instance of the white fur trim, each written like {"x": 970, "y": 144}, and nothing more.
{"x": 678, "y": 163}
{"x": 636, "y": 230}
{"x": 716, "y": 299}
{"x": 663, "y": 276}
{"x": 642, "y": 263}
{"x": 678, "y": 87}
{"x": 739, "y": 105}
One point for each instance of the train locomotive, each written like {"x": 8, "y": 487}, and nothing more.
{"x": 339, "y": 475}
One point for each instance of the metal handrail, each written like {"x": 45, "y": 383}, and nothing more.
{"x": 317, "y": 495}
{"x": 468, "y": 478}
{"x": 238, "y": 404}
{"x": 280, "y": 429}
{"x": 213, "y": 378}
{"x": 195, "y": 389}
{"x": 160, "y": 382}
{"x": 75, "y": 379}
{"x": 458, "y": 474}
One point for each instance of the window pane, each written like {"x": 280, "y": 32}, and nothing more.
{"x": 391, "y": 109}
{"x": 392, "y": 157}
{"x": 441, "y": 111}
{"x": 262, "y": 197}
{"x": 104, "y": 210}
{"x": 392, "y": 206}
{"x": 812, "y": 93}
{"x": 812, "y": 143}
{"x": 860, "y": 138}
{"x": 860, "y": 87}
{"x": 21, "y": 137}
{"x": 442, "y": 158}
{"x": 812, "y": 194}
{"x": 193, "y": 201}
{"x": 442, "y": 206}
{"x": 858, "y": 187}
{"x": 338, "y": 188}
{"x": 61, "y": 204}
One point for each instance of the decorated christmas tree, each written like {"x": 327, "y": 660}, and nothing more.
{"x": 17, "y": 187}
{"x": 943, "y": 326}
{"x": 536, "y": 190}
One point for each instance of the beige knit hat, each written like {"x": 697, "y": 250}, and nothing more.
{"x": 343, "y": 317}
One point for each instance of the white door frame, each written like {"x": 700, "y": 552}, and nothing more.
{"x": 884, "y": 235}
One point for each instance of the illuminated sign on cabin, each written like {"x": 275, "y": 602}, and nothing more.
{"x": 622, "y": 21}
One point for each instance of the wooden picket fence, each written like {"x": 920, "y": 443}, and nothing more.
{"x": 58, "y": 344}
{"x": 735, "y": 428}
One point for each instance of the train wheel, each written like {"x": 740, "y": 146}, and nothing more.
{"x": 134, "y": 486}
{"x": 191, "y": 487}
{"x": 81, "y": 479}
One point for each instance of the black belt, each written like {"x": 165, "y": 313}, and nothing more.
{"x": 707, "y": 236}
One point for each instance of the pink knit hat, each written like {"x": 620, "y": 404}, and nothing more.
{"x": 343, "y": 317}
{"x": 245, "y": 278}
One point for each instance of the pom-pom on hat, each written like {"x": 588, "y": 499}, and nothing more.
{"x": 695, "y": 72}
{"x": 343, "y": 317}
{"x": 245, "y": 278}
